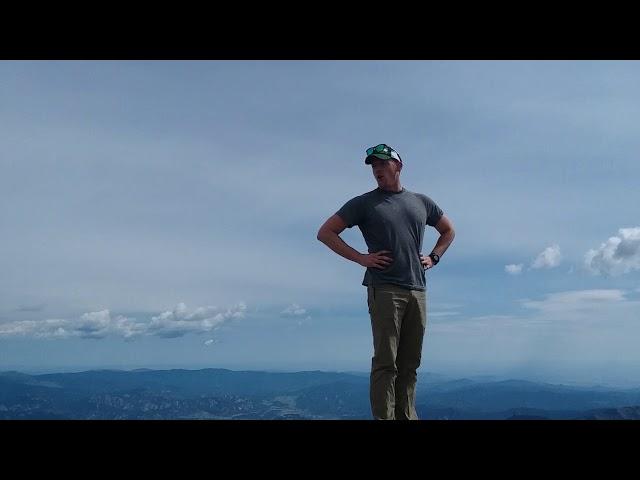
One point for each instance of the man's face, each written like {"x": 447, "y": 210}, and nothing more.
{"x": 386, "y": 172}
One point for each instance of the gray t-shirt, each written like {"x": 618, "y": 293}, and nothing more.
{"x": 393, "y": 221}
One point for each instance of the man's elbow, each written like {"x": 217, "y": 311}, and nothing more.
{"x": 324, "y": 234}
{"x": 451, "y": 233}
{"x": 447, "y": 232}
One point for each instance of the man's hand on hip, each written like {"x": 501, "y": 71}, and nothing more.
{"x": 376, "y": 260}
{"x": 427, "y": 262}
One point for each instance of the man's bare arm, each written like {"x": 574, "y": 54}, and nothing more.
{"x": 447, "y": 234}
{"x": 329, "y": 234}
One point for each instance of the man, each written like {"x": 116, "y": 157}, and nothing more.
{"x": 392, "y": 221}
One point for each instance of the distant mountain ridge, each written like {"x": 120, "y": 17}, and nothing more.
{"x": 214, "y": 393}
{"x": 623, "y": 413}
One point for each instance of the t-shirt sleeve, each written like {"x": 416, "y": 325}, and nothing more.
{"x": 351, "y": 212}
{"x": 434, "y": 212}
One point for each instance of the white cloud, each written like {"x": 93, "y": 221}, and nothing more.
{"x": 577, "y": 300}
{"x": 618, "y": 255}
{"x": 549, "y": 258}
{"x": 296, "y": 311}
{"x": 179, "y": 322}
{"x": 293, "y": 310}
{"x": 513, "y": 269}
{"x": 96, "y": 325}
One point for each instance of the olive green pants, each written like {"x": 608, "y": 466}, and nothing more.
{"x": 398, "y": 322}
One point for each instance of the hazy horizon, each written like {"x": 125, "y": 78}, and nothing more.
{"x": 533, "y": 377}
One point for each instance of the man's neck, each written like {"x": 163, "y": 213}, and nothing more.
{"x": 396, "y": 188}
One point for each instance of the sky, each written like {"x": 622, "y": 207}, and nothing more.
{"x": 163, "y": 214}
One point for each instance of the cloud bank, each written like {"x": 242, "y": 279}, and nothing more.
{"x": 96, "y": 325}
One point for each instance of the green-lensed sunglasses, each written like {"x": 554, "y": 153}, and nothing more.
{"x": 382, "y": 148}
{"x": 385, "y": 150}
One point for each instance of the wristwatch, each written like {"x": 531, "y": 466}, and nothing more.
{"x": 435, "y": 257}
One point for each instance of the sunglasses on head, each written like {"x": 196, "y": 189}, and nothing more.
{"x": 384, "y": 149}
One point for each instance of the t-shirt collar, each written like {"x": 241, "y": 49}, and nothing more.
{"x": 390, "y": 192}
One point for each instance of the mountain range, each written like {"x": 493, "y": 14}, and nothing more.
{"x": 226, "y": 394}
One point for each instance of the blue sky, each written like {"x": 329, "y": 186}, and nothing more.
{"x": 164, "y": 213}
